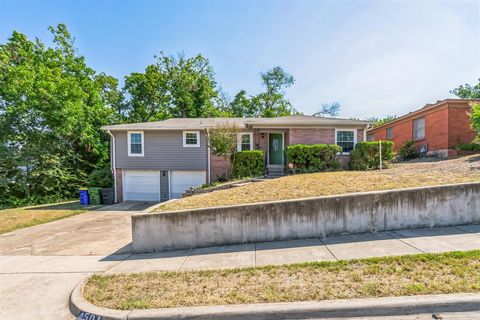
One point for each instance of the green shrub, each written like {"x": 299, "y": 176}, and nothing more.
{"x": 248, "y": 163}
{"x": 408, "y": 151}
{"x": 312, "y": 158}
{"x": 468, "y": 146}
{"x": 366, "y": 155}
{"x": 13, "y": 202}
{"x": 101, "y": 178}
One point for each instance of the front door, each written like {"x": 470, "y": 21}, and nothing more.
{"x": 275, "y": 148}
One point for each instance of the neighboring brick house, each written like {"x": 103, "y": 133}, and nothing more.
{"x": 157, "y": 161}
{"x": 437, "y": 127}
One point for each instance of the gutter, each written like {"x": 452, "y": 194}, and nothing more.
{"x": 113, "y": 168}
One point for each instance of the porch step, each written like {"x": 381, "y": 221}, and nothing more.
{"x": 275, "y": 171}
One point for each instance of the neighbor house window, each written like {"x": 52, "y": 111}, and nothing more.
{"x": 418, "y": 129}
{"x": 389, "y": 133}
{"x": 135, "y": 143}
{"x": 371, "y": 137}
{"x": 191, "y": 138}
{"x": 245, "y": 141}
{"x": 346, "y": 139}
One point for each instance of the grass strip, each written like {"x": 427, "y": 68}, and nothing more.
{"x": 452, "y": 272}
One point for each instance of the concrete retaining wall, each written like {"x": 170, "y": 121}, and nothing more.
{"x": 306, "y": 218}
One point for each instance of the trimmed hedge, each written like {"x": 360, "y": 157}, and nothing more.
{"x": 468, "y": 146}
{"x": 312, "y": 158}
{"x": 249, "y": 163}
{"x": 366, "y": 155}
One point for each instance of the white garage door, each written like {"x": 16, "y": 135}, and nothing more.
{"x": 182, "y": 180}
{"x": 141, "y": 185}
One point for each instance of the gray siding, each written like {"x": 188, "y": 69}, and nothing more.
{"x": 164, "y": 186}
{"x": 163, "y": 151}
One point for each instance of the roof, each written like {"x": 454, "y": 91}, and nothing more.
{"x": 427, "y": 107}
{"x": 204, "y": 123}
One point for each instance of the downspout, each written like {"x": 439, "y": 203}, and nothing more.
{"x": 114, "y": 170}
{"x": 365, "y": 134}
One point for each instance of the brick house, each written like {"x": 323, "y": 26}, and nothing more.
{"x": 438, "y": 127}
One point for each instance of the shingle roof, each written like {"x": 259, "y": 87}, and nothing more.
{"x": 203, "y": 123}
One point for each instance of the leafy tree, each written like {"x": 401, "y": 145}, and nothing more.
{"x": 467, "y": 91}
{"x": 380, "y": 121}
{"x": 329, "y": 110}
{"x": 222, "y": 141}
{"x": 475, "y": 116}
{"x": 52, "y": 106}
{"x": 176, "y": 87}
{"x": 242, "y": 106}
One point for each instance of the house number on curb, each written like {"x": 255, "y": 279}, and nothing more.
{"x": 88, "y": 316}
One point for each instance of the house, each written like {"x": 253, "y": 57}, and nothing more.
{"x": 157, "y": 161}
{"x": 436, "y": 128}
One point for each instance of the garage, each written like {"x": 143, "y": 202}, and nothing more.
{"x": 182, "y": 180}
{"x": 141, "y": 185}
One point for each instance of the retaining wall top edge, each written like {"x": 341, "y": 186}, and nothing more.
{"x": 336, "y": 196}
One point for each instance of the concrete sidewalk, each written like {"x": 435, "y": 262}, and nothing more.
{"x": 38, "y": 286}
{"x": 358, "y": 246}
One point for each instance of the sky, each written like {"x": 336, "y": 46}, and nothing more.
{"x": 376, "y": 58}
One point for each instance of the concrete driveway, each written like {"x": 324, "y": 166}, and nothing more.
{"x": 40, "y": 265}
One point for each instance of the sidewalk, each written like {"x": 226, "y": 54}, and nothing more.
{"x": 358, "y": 246}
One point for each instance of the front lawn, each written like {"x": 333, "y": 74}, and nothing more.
{"x": 404, "y": 175}
{"x": 454, "y": 272}
{"x": 13, "y": 219}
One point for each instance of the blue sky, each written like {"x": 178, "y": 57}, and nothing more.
{"x": 376, "y": 58}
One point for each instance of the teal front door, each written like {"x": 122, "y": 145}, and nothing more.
{"x": 275, "y": 148}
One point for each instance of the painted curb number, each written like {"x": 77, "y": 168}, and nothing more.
{"x": 88, "y": 316}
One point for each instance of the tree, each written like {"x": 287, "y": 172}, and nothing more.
{"x": 52, "y": 106}
{"x": 380, "y": 121}
{"x": 467, "y": 91}
{"x": 475, "y": 116}
{"x": 176, "y": 87}
{"x": 242, "y": 106}
{"x": 222, "y": 141}
{"x": 329, "y": 110}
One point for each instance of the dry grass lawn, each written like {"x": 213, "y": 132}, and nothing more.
{"x": 453, "y": 272}
{"x": 402, "y": 175}
{"x": 13, "y": 219}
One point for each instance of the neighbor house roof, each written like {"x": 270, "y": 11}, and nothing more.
{"x": 427, "y": 107}
{"x": 204, "y": 123}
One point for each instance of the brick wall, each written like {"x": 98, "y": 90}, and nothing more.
{"x": 311, "y": 136}
{"x": 119, "y": 181}
{"x": 218, "y": 167}
{"x": 459, "y": 125}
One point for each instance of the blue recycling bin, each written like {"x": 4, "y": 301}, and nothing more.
{"x": 84, "y": 198}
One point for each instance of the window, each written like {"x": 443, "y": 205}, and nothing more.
{"x": 346, "y": 139}
{"x": 371, "y": 137}
{"x": 418, "y": 129}
{"x": 135, "y": 143}
{"x": 191, "y": 139}
{"x": 389, "y": 133}
{"x": 245, "y": 141}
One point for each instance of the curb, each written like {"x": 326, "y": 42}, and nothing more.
{"x": 387, "y": 306}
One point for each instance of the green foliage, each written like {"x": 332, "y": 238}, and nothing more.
{"x": 270, "y": 103}
{"x": 408, "y": 151}
{"x": 366, "y": 155}
{"x": 52, "y": 106}
{"x": 173, "y": 87}
{"x": 468, "y": 146}
{"x": 467, "y": 91}
{"x": 475, "y": 117}
{"x": 312, "y": 158}
{"x": 13, "y": 202}
{"x": 248, "y": 163}
{"x": 380, "y": 121}
{"x": 222, "y": 141}
{"x": 101, "y": 178}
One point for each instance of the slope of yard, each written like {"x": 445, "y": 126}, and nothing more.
{"x": 13, "y": 219}
{"x": 377, "y": 277}
{"x": 403, "y": 175}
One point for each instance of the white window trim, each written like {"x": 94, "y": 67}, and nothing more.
{"x": 130, "y": 154}
{"x": 185, "y": 145}
{"x": 355, "y": 133}
{"x": 239, "y": 140}
{"x": 413, "y": 128}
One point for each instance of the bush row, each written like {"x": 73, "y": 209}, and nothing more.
{"x": 366, "y": 155}
{"x": 312, "y": 158}
{"x": 249, "y": 163}
{"x": 468, "y": 146}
